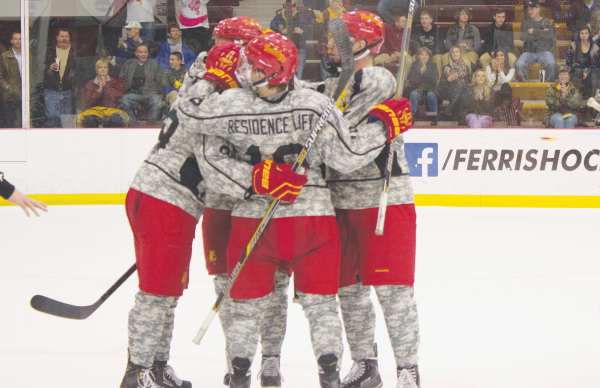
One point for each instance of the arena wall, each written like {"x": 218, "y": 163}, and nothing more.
{"x": 449, "y": 167}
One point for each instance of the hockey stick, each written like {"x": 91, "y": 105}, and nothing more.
{"x": 387, "y": 175}
{"x": 342, "y": 40}
{"x": 64, "y": 310}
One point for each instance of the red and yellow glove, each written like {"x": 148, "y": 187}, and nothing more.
{"x": 277, "y": 180}
{"x": 221, "y": 63}
{"x": 395, "y": 114}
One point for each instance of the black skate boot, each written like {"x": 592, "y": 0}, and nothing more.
{"x": 240, "y": 378}
{"x": 138, "y": 376}
{"x": 329, "y": 376}
{"x": 363, "y": 374}
{"x": 165, "y": 376}
{"x": 409, "y": 377}
{"x": 269, "y": 374}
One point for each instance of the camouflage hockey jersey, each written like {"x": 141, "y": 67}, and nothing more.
{"x": 212, "y": 200}
{"x": 274, "y": 128}
{"x": 361, "y": 188}
{"x": 170, "y": 171}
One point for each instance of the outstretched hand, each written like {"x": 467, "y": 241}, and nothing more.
{"x": 26, "y": 203}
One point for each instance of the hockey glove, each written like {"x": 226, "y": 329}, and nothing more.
{"x": 221, "y": 63}
{"x": 395, "y": 114}
{"x": 277, "y": 180}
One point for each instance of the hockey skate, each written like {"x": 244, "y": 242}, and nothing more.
{"x": 138, "y": 376}
{"x": 240, "y": 378}
{"x": 363, "y": 374}
{"x": 329, "y": 375}
{"x": 226, "y": 378}
{"x": 409, "y": 377}
{"x": 269, "y": 373}
{"x": 165, "y": 376}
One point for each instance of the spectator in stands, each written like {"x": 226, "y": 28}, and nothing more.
{"x": 2, "y": 49}
{"x": 142, "y": 11}
{"x": 500, "y": 74}
{"x": 300, "y": 22}
{"x": 142, "y": 85}
{"x": 563, "y": 101}
{"x": 193, "y": 22}
{"x": 101, "y": 98}
{"x": 128, "y": 47}
{"x": 173, "y": 77}
{"x": 106, "y": 55}
{"x": 391, "y": 50}
{"x": 59, "y": 81}
{"x": 580, "y": 57}
{"x": 539, "y": 38}
{"x": 583, "y": 12}
{"x": 479, "y": 103}
{"x": 10, "y": 83}
{"x": 498, "y": 37}
{"x": 463, "y": 35}
{"x": 423, "y": 78}
{"x": 429, "y": 35}
{"x": 336, "y": 9}
{"x": 386, "y": 7}
{"x": 174, "y": 43}
{"x": 453, "y": 83}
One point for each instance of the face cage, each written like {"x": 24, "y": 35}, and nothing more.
{"x": 244, "y": 70}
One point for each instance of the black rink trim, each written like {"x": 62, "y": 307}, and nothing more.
{"x": 173, "y": 178}
{"x": 284, "y": 112}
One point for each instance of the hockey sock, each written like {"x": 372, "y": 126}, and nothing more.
{"x": 164, "y": 346}
{"x": 242, "y": 333}
{"x": 324, "y": 324}
{"x": 358, "y": 313}
{"x": 400, "y": 312}
{"x": 273, "y": 324}
{"x": 224, "y": 311}
{"x": 145, "y": 326}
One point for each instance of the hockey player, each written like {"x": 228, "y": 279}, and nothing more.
{"x": 163, "y": 206}
{"x": 216, "y": 225}
{"x": 268, "y": 129}
{"x": 386, "y": 262}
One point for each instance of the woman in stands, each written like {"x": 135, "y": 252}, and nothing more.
{"x": 500, "y": 74}
{"x": 479, "y": 102}
{"x": 423, "y": 78}
{"x": 580, "y": 59}
{"x": 453, "y": 83}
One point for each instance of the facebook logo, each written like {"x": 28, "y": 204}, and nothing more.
{"x": 422, "y": 159}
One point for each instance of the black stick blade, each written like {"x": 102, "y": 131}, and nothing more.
{"x": 60, "y": 309}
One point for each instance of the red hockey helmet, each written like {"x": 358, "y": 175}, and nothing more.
{"x": 242, "y": 28}
{"x": 365, "y": 25}
{"x": 274, "y": 54}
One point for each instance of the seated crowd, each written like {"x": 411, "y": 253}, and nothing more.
{"x": 462, "y": 75}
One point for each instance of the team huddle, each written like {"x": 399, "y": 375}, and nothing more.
{"x": 224, "y": 154}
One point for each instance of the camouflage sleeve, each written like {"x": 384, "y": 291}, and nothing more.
{"x": 552, "y": 100}
{"x": 346, "y": 148}
{"x": 574, "y": 100}
{"x": 221, "y": 170}
{"x": 368, "y": 88}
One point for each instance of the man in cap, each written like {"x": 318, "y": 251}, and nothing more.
{"x": 539, "y": 37}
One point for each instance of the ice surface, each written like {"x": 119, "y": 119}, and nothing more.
{"x": 506, "y": 298}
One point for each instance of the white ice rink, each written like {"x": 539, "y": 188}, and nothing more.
{"x": 507, "y": 298}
